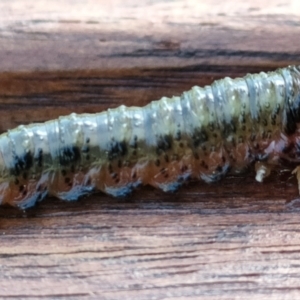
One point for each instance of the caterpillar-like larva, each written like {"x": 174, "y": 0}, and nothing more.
{"x": 203, "y": 134}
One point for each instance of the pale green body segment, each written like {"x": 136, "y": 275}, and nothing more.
{"x": 205, "y": 127}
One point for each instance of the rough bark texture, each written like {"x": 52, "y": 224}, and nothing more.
{"x": 231, "y": 240}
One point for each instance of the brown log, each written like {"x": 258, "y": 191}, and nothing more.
{"x": 231, "y": 240}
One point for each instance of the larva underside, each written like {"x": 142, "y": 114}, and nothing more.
{"x": 203, "y": 134}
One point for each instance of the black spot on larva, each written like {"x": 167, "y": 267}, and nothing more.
{"x": 265, "y": 122}
{"x": 166, "y": 157}
{"x": 117, "y": 180}
{"x": 178, "y": 135}
{"x": 24, "y": 193}
{"x": 119, "y": 163}
{"x": 114, "y": 175}
{"x": 164, "y": 143}
{"x": 291, "y": 126}
{"x": 166, "y": 175}
{"x": 211, "y": 126}
{"x": 28, "y": 159}
{"x": 228, "y": 129}
{"x": 39, "y": 157}
{"x": 38, "y": 187}
{"x": 296, "y": 108}
{"x": 21, "y": 188}
{"x": 292, "y": 112}
{"x": 85, "y": 149}
{"x": 134, "y": 175}
{"x": 67, "y": 180}
{"x": 22, "y": 163}
{"x": 199, "y": 137}
{"x": 117, "y": 149}
{"x": 204, "y": 165}
{"x": 63, "y": 172}
{"x": 69, "y": 155}
{"x": 157, "y": 162}
{"x": 218, "y": 168}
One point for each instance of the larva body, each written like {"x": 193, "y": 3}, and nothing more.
{"x": 202, "y": 134}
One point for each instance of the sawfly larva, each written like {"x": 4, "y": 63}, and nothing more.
{"x": 204, "y": 133}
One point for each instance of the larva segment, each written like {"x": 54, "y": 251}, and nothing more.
{"x": 23, "y": 164}
{"x": 66, "y": 156}
{"x": 167, "y": 155}
{"x": 204, "y": 133}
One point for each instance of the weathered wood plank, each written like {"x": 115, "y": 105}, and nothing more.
{"x": 124, "y": 34}
{"x": 231, "y": 240}
{"x": 219, "y": 241}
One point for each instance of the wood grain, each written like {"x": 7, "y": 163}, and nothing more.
{"x": 64, "y": 35}
{"x": 236, "y": 239}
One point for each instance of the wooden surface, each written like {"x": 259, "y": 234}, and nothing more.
{"x": 237, "y": 239}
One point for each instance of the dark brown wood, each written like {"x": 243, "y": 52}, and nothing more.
{"x": 231, "y": 240}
